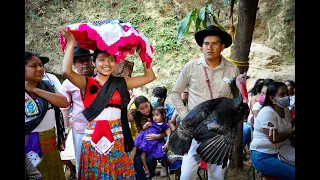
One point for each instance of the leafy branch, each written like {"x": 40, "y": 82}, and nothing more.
{"x": 202, "y": 19}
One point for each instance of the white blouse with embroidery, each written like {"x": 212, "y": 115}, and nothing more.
{"x": 32, "y": 112}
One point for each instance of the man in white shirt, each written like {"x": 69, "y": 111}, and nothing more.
{"x": 54, "y": 81}
{"x": 203, "y": 79}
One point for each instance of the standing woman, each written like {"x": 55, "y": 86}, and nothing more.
{"x": 106, "y": 145}
{"x": 42, "y": 119}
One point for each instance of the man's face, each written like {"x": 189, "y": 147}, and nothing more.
{"x": 83, "y": 64}
{"x": 212, "y": 47}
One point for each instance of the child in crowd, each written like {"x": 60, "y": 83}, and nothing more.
{"x": 154, "y": 148}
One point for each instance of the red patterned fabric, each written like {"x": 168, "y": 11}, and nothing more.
{"x": 116, "y": 37}
{"x": 102, "y": 129}
{"x": 101, "y": 159}
{"x": 92, "y": 89}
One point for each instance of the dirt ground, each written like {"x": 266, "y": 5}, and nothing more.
{"x": 245, "y": 174}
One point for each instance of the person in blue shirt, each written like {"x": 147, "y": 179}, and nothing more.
{"x": 159, "y": 95}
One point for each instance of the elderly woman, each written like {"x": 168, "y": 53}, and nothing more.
{"x": 43, "y": 119}
{"x": 272, "y": 130}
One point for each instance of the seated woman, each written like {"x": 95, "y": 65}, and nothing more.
{"x": 44, "y": 126}
{"x": 291, "y": 92}
{"x": 272, "y": 129}
{"x": 258, "y": 105}
{"x": 141, "y": 115}
{"x": 254, "y": 94}
{"x": 154, "y": 148}
{"x": 260, "y": 89}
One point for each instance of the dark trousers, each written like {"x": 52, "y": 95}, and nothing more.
{"x": 138, "y": 166}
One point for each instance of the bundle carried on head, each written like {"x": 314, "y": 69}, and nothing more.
{"x": 117, "y": 37}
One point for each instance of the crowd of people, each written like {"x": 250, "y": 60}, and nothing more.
{"x": 115, "y": 134}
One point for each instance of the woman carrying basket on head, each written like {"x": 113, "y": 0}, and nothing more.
{"x": 107, "y": 141}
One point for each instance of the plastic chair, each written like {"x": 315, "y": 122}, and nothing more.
{"x": 203, "y": 166}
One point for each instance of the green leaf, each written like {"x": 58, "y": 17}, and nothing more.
{"x": 193, "y": 17}
{"x": 210, "y": 9}
{"x": 208, "y": 19}
{"x": 204, "y": 22}
{"x": 219, "y": 26}
{"x": 202, "y": 14}
{"x": 198, "y": 21}
{"x": 184, "y": 25}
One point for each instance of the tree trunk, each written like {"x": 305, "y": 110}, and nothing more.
{"x": 247, "y": 10}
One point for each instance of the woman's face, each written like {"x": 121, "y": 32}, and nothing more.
{"x": 34, "y": 69}
{"x": 263, "y": 91}
{"x": 282, "y": 92}
{"x": 105, "y": 63}
{"x": 144, "y": 108}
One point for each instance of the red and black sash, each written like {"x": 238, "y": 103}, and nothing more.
{"x": 101, "y": 101}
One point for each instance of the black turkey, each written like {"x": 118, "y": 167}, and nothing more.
{"x": 213, "y": 124}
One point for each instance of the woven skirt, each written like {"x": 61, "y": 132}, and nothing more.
{"x": 51, "y": 166}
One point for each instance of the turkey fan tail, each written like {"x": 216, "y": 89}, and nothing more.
{"x": 207, "y": 147}
{"x": 227, "y": 157}
{"x": 221, "y": 156}
{"x": 209, "y": 155}
{"x": 179, "y": 142}
{"x": 214, "y": 150}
